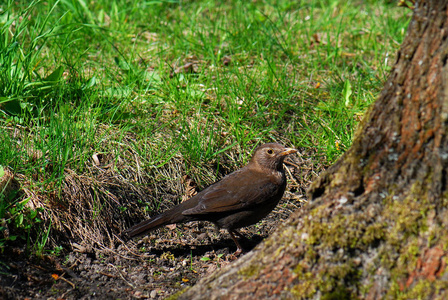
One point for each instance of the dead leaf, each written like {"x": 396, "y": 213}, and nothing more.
{"x": 171, "y": 226}
{"x": 190, "y": 67}
{"x": 96, "y": 159}
{"x": 226, "y": 60}
{"x": 190, "y": 188}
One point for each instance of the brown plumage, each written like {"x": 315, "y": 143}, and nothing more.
{"x": 240, "y": 199}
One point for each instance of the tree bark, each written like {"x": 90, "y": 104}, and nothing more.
{"x": 376, "y": 225}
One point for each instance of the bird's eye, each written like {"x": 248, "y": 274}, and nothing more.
{"x": 270, "y": 151}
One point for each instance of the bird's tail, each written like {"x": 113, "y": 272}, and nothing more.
{"x": 169, "y": 217}
{"x": 145, "y": 226}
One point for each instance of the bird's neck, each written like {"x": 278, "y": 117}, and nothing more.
{"x": 267, "y": 169}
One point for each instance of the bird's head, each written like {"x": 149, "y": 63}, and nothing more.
{"x": 271, "y": 156}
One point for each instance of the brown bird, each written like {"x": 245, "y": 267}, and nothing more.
{"x": 240, "y": 199}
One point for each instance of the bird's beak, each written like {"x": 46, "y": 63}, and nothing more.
{"x": 287, "y": 151}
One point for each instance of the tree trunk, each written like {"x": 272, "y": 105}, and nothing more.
{"x": 376, "y": 225}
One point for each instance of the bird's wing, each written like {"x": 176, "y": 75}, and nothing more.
{"x": 230, "y": 195}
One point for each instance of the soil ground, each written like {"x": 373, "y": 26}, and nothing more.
{"x": 153, "y": 267}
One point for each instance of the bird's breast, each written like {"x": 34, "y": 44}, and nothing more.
{"x": 277, "y": 177}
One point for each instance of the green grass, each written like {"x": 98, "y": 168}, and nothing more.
{"x": 78, "y": 78}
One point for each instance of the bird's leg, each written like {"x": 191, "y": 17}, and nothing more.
{"x": 239, "y": 234}
{"x": 216, "y": 228}
{"x": 239, "y": 249}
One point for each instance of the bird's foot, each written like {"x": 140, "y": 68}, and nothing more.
{"x": 235, "y": 255}
{"x": 238, "y": 252}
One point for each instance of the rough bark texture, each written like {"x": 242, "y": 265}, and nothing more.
{"x": 376, "y": 225}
